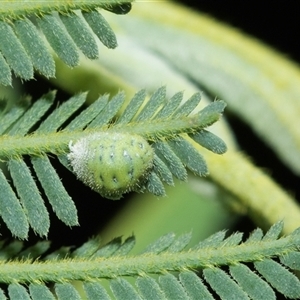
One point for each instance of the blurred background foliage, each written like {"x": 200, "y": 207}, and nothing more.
{"x": 180, "y": 57}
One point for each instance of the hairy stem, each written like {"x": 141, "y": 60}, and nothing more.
{"x": 15, "y": 9}
{"x": 57, "y": 142}
{"x": 263, "y": 199}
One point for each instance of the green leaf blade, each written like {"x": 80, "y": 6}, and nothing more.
{"x": 149, "y": 289}
{"x": 81, "y": 35}
{"x": 180, "y": 242}
{"x": 172, "y": 288}
{"x": 59, "y": 199}
{"x": 223, "y": 285}
{"x": 209, "y": 141}
{"x": 152, "y": 105}
{"x": 194, "y": 286}
{"x": 35, "y": 251}
{"x": 11, "y": 116}
{"x": 11, "y": 211}
{"x": 189, "y": 156}
{"x": 33, "y": 115}
{"x": 154, "y": 185}
{"x": 59, "y": 40}
{"x": 35, "y": 47}
{"x": 119, "y": 8}
{"x": 211, "y": 113}
{"x": 40, "y": 291}
{"x": 167, "y": 155}
{"x": 126, "y": 247}
{"x": 14, "y": 53}
{"x": 62, "y": 113}
{"x": 170, "y": 107}
{"x": 31, "y": 200}
{"x": 88, "y": 114}
{"x": 123, "y": 290}
{"x": 101, "y": 28}
{"x": 161, "y": 169}
{"x": 17, "y": 291}
{"x": 66, "y": 291}
{"x": 251, "y": 283}
{"x": 274, "y": 232}
{"x": 132, "y": 108}
{"x": 109, "y": 249}
{"x": 109, "y": 111}
{"x": 280, "y": 278}
{"x": 94, "y": 290}
{"x": 5, "y": 73}
{"x": 292, "y": 260}
{"x": 188, "y": 106}
{"x": 162, "y": 244}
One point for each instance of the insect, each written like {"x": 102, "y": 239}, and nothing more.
{"x": 111, "y": 163}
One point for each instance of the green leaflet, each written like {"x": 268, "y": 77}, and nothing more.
{"x": 30, "y": 197}
{"x": 66, "y": 291}
{"x": 194, "y": 286}
{"x": 148, "y": 288}
{"x": 166, "y": 154}
{"x": 11, "y": 211}
{"x": 254, "y": 286}
{"x": 101, "y": 28}
{"x": 14, "y": 53}
{"x": 209, "y": 141}
{"x": 94, "y": 290}
{"x": 223, "y": 285}
{"x": 279, "y": 277}
{"x": 5, "y": 73}
{"x": 40, "y": 291}
{"x": 122, "y": 289}
{"x": 17, "y": 291}
{"x": 81, "y": 35}
{"x": 171, "y": 287}
{"x": 59, "y": 199}
{"x": 35, "y": 47}
{"x": 156, "y": 100}
{"x": 59, "y": 40}
{"x": 154, "y": 185}
{"x": 189, "y": 156}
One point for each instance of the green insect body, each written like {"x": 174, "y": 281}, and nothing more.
{"x": 111, "y": 163}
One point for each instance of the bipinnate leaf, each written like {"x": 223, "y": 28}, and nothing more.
{"x": 142, "y": 151}
{"x": 67, "y": 26}
{"x": 167, "y": 269}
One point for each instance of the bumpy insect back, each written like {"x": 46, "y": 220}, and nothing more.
{"x": 111, "y": 163}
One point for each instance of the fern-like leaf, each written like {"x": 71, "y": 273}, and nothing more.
{"x": 225, "y": 266}
{"x": 170, "y": 151}
{"x": 67, "y": 26}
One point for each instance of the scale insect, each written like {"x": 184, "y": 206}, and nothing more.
{"x": 111, "y": 163}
